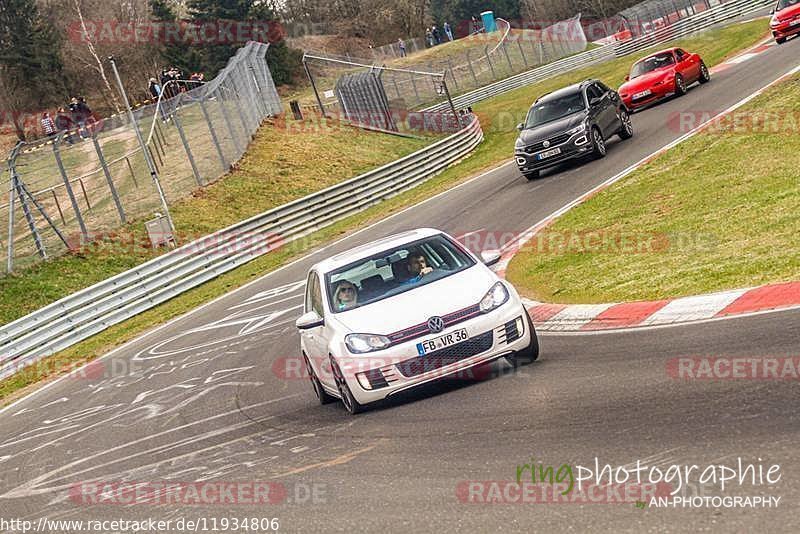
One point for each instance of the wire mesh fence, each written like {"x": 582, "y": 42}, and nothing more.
{"x": 415, "y": 82}
{"x": 77, "y": 186}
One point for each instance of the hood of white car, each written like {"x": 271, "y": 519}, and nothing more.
{"x": 417, "y": 305}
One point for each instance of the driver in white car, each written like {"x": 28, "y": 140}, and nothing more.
{"x": 417, "y": 267}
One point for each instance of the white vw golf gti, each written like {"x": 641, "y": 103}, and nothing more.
{"x": 403, "y": 311}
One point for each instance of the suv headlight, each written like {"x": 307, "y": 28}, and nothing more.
{"x": 496, "y": 297}
{"x": 362, "y": 343}
{"x": 577, "y": 129}
{"x": 519, "y": 144}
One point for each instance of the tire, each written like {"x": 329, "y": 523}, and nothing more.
{"x": 322, "y": 396}
{"x": 626, "y": 130}
{"x": 599, "y": 149}
{"x": 530, "y": 353}
{"x": 705, "y": 75}
{"x": 349, "y": 402}
{"x": 680, "y": 85}
{"x": 531, "y": 175}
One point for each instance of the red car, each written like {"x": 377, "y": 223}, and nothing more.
{"x": 785, "y": 20}
{"x": 665, "y": 73}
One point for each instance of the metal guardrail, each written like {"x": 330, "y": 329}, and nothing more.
{"x": 687, "y": 26}
{"x": 92, "y": 310}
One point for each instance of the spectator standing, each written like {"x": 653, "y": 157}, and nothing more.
{"x": 154, "y": 88}
{"x": 429, "y": 37}
{"x": 84, "y": 117}
{"x": 448, "y": 31}
{"x": 437, "y": 37}
{"x": 48, "y": 125}
{"x": 64, "y": 124}
{"x": 402, "y": 46}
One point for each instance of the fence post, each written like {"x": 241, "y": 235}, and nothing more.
{"x": 227, "y": 120}
{"x": 489, "y": 60}
{"x": 133, "y": 174}
{"x": 522, "y": 53}
{"x": 177, "y": 121}
{"x": 68, "y": 187}
{"x": 472, "y": 70}
{"x": 28, "y": 217}
{"x": 508, "y": 58}
{"x": 225, "y": 165}
{"x": 11, "y": 198}
{"x": 453, "y": 76}
{"x": 107, "y": 174}
{"x": 414, "y": 85}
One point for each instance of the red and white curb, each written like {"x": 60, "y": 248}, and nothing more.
{"x": 593, "y": 317}
{"x": 747, "y": 55}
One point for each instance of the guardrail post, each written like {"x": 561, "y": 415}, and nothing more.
{"x": 214, "y": 139}
{"x": 109, "y": 180}
{"x": 68, "y": 186}
{"x": 177, "y": 122}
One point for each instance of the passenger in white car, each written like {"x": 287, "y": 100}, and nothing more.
{"x": 345, "y": 296}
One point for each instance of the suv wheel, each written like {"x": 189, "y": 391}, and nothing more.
{"x": 598, "y": 143}
{"x": 626, "y": 130}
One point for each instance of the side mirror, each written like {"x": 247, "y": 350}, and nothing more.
{"x": 490, "y": 257}
{"x": 772, "y": 11}
{"x": 309, "y": 320}
{"x": 520, "y": 126}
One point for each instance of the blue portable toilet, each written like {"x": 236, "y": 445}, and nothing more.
{"x": 489, "y": 24}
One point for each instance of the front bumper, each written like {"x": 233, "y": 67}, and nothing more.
{"x": 658, "y": 93}
{"x": 399, "y": 368}
{"x": 785, "y": 30}
{"x": 578, "y": 145}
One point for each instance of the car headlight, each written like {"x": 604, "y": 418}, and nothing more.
{"x": 361, "y": 343}
{"x": 496, "y": 297}
{"x": 774, "y": 22}
{"x": 577, "y": 129}
{"x": 519, "y": 144}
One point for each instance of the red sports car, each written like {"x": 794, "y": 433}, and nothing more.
{"x": 666, "y": 73}
{"x": 785, "y": 20}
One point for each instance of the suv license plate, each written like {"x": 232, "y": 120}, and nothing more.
{"x": 437, "y": 343}
{"x": 548, "y": 154}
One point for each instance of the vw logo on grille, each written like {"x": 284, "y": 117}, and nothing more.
{"x": 546, "y": 144}
{"x": 435, "y": 324}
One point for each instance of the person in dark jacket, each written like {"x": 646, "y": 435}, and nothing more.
{"x": 64, "y": 124}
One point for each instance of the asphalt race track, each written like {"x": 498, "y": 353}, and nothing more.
{"x": 216, "y": 396}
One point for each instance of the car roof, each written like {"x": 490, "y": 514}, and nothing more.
{"x": 570, "y": 89}
{"x": 666, "y": 50}
{"x": 373, "y": 247}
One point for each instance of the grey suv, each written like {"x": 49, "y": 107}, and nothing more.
{"x": 570, "y": 123}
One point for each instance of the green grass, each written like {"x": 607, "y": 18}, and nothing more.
{"x": 53, "y": 280}
{"x": 723, "y": 209}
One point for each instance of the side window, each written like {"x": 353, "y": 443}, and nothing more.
{"x": 593, "y": 92}
{"x": 680, "y": 54}
{"x": 316, "y": 297}
{"x": 313, "y": 294}
{"x": 603, "y": 87}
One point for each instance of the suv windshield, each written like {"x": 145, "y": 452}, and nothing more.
{"x": 394, "y": 271}
{"x": 652, "y": 63}
{"x": 554, "y": 109}
{"x": 783, "y": 4}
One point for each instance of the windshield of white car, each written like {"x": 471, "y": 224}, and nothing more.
{"x": 783, "y": 4}
{"x": 652, "y": 63}
{"x": 395, "y": 271}
{"x": 555, "y": 108}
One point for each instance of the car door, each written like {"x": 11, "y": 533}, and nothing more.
{"x": 605, "y": 110}
{"x": 687, "y": 66}
{"x": 314, "y": 339}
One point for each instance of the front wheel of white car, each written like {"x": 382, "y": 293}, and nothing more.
{"x": 322, "y": 396}
{"x": 530, "y": 353}
{"x": 348, "y": 400}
